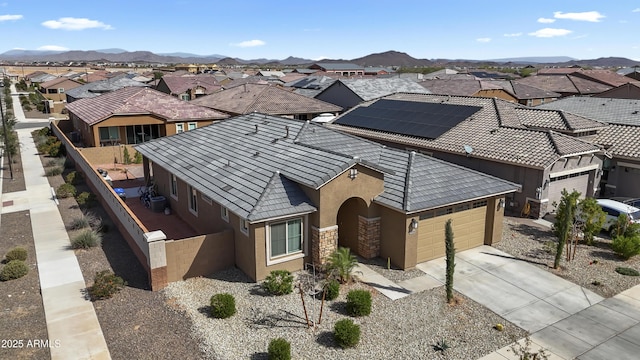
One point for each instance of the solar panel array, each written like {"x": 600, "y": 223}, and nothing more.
{"x": 421, "y": 119}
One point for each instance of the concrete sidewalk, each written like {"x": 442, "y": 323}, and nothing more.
{"x": 71, "y": 319}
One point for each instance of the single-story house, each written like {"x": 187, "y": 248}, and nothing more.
{"x": 348, "y": 93}
{"x": 467, "y": 87}
{"x": 293, "y": 191}
{"x": 55, "y": 89}
{"x": 526, "y": 94}
{"x": 310, "y": 86}
{"x": 266, "y": 99}
{"x": 344, "y": 69}
{"x": 544, "y": 151}
{"x": 630, "y": 90}
{"x": 566, "y": 85}
{"x": 188, "y": 87}
{"x": 133, "y": 115}
{"x": 98, "y": 88}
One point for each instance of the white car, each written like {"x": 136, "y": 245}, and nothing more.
{"x": 613, "y": 209}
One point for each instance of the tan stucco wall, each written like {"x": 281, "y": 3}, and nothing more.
{"x": 495, "y": 216}
{"x": 394, "y": 237}
{"x": 262, "y": 270}
{"x": 106, "y": 154}
{"x": 200, "y": 255}
{"x": 496, "y": 93}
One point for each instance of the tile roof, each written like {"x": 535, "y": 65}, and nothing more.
{"x": 338, "y": 66}
{"x": 139, "y": 100}
{"x": 257, "y": 174}
{"x": 537, "y": 118}
{"x": 56, "y": 81}
{"x": 606, "y": 77}
{"x": 566, "y": 84}
{"x": 608, "y": 110}
{"x": 462, "y": 87}
{"x": 496, "y": 132}
{"x": 100, "y": 87}
{"x": 525, "y": 92}
{"x": 180, "y": 84}
{"x": 263, "y": 98}
{"x": 628, "y": 70}
{"x": 311, "y": 86}
{"x": 372, "y": 88}
{"x": 620, "y": 140}
{"x": 629, "y": 90}
{"x": 41, "y": 78}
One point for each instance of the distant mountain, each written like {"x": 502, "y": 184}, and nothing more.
{"x": 189, "y": 55}
{"x": 603, "y": 62}
{"x": 112, "y": 51}
{"x": 391, "y": 58}
{"x": 535, "y": 59}
{"x": 295, "y": 61}
{"x": 20, "y": 53}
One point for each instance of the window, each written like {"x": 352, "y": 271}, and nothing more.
{"x": 60, "y": 90}
{"x": 285, "y": 237}
{"x": 224, "y": 213}
{"x": 185, "y": 97}
{"x": 179, "y": 128}
{"x": 193, "y": 200}
{"x": 191, "y": 126}
{"x": 110, "y": 134}
{"x": 174, "y": 186}
{"x": 244, "y": 226}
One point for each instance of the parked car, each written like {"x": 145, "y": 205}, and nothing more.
{"x": 613, "y": 209}
{"x": 635, "y": 202}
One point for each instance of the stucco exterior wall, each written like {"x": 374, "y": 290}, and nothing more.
{"x": 200, "y": 255}
{"x": 624, "y": 178}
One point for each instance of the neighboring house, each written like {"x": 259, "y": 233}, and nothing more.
{"x": 39, "y": 77}
{"x": 543, "y": 150}
{"x": 373, "y": 70}
{"x": 54, "y": 91}
{"x": 493, "y": 75}
{"x": 266, "y": 99}
{"x": 101, "y": 87}
{"x": 188, "y": 87}
{"x": 267, "y": 73}
{"x": 481, "y": 88}
{"x": 305, "y": 71}
{"x": 526, "y": 94}
{"x": 311, "y": 86}
{"x": 348, "y": 93}
{"x": 605, "y": 77}
{"x": 294, "y": 191}
{"x": 630, "y": 90}
{"x": 343, "y": 69}
{"x": 440, "y": 74}
{"x": 134, "y": 115}
{"x": 565, "y": 85}
{"x": 621, "y": 138}
{"x": 631, "y": 72}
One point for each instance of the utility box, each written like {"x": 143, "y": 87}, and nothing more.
{"x": 158, "y": 203}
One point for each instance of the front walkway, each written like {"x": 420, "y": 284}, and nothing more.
{"x": 72, "y": 324}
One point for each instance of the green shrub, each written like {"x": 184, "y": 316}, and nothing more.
{"x": 223, "y": 305}
{"x": 137, "y": 158}
{"x": 332, "y": 290}
{"x": 17, "y": 253}
{"x": 14, "y": 269}
{"x": 626, "y": 246}
{"x": 66, "y": 190}
{"x": 105, "y": 285}
{"x": 627, "y": 271}
{"x": 87, "y": 239}
{"x": 85, "y": 198}
{"x": 53, "y": 171}
{"x": 59, "y": 162}
{"x": 340, "y": 263}
{"x": 279, "y": 349}
{"x": 126, "y": 158}
{"x": 79, "y": 223}
{"x": 73, "y": 178}
{"x": 359, "y": 303}
{"x": 278, "y": 282}
{"x": 346, "y": 333}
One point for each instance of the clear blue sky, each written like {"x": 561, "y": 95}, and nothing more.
{"x": 344, "y": 29}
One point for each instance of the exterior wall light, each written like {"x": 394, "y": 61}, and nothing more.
{"x": 413, "y": 226}
{"x": 353, "y": 173}
{"x": 501, "y": 204}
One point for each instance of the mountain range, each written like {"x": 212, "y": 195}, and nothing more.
{"x": 388, "y": 58}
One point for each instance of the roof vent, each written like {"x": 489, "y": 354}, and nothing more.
{"x": 256, "y": 153}
{"x": 468, "y": 149}
{"x": 286, "y": 128}
{"x": 256, "y": 129}
{"x": 635, "y": 112}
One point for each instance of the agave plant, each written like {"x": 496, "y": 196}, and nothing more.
{"x": 340, "y": 263}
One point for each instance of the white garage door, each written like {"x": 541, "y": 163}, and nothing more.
{"x": 576, "y": 181}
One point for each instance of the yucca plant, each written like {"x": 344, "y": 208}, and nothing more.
{"x": 340, "y": 264}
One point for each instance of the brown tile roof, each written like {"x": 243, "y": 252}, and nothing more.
{"x": 620, "y": 140}
{"x": 135, "y": 100}
{"x": 461, "y": 87}
{"x": 490, "y": 132}
{"x": 558, "y": 71}
{"x": 263, "y": 98}
{"x": 180, "y": 84}
{"x": 606, "y": 77}
{"x": 565, "y": 84}
{"x": 56, "y": 81}
{"x": 556, "y": 120}
{"x": 525, "y": 92}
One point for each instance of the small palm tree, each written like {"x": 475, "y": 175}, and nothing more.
{"x": 340, "y": 263}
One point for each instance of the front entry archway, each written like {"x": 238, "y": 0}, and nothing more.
{"x": 348, "y": 222}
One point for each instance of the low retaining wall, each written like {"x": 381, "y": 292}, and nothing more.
{"x": 199, "y": 255}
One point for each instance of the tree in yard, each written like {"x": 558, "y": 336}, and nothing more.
{"x": 340, "y": 264}
{"x": 450, "y": 257}
{"x": 593, "y": 217}
{"x": 565, "y": 214}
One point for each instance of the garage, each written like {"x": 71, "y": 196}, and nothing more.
{"x": 469, "y": 222}
{"x": 578, "y": 181}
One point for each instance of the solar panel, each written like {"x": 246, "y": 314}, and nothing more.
{"x": 413, "y": 118}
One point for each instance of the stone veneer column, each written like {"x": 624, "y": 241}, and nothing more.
{"x": 368, "y": 237}
{"x": 323, "y": 242}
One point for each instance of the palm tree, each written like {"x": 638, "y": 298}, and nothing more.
{"x": 340, "y": 263}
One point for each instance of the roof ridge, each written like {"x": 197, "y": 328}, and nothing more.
{"x": 407, "y": 182}
{"x": 264, "y": 193}
{"x": 574, "y": 84}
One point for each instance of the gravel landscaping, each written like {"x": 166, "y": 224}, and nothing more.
{"x": 593, "y": 266}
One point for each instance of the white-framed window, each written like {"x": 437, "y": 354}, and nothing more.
{"x": 179, "y": 128}
{"x": 192, "y": 126}
{"x": 244, "y": 226}
{"x": 185, "y": 97}
{"x": 224, "y": 213}
{"x": 193, "y": 200}
{"x": 174, "y": 186}
{"x": 60, "y": 90}
{"x": 285, "y": 240}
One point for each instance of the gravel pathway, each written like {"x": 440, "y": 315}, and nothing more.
{"x": 402, "y": 329}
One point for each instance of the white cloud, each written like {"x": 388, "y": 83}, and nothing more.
{"x": 483, "y": 40}
{"x": 549, "y": 32}
{"x": 591, "y": 16}
{"x": 513, "y": 34}
{"x": 10, "y": 17}
{"x": 69, "y": 23}
{"x": 52, "y": 48}
{"x": 636, "y": 10}
{"x": 249, "y": 43}
{"x": 546, "y": 20}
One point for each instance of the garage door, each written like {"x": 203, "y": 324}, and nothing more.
{"x": 468, "y": 231}
{"x": 577, "y": 181}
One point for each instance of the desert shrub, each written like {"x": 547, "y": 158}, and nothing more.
{"x": 279, "y": 349}
{"x": 85, "y": 198}
{"x": 137, "y": 158}
{"x": 45, "y": 131}
{"x": 14, "y": 269}
{"x": 626, "y": 246}
{"x": 66, "y": 190}
{"x": 278, "y": 282}
{"x": 53, "y": 171}
{"x": 87, "y": 239}
{"x": 340, "y": 263}
{"x": 332, "y": 289}
{"x": 105, "y": 285}
{"x": 223, "y": 305}
{"x": 79, "y": 223}
{"x": 58, "y": 162}
{"x": 126, "y": 157}
{"x": 627, "y": 271}
{"x": 73, "y": 178}
{"x": 346, "y": 333}
{"x": 27, "y": 107}
{"x": 359, "y": 302}
{"x": 17, "y": 253}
